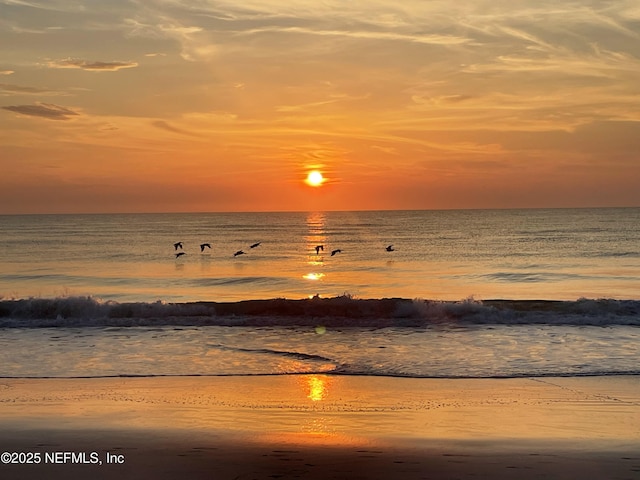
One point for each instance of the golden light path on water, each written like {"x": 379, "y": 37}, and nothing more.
{"x": 313, "y": 276}
{"x": 316, "y": 237}
{"x": 317, "y": 388}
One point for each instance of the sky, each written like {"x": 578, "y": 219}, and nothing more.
{"x": 202, "y": 105}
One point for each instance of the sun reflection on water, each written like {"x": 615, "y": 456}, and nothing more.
{"x": 313, "y": 276}
{"x": 316, "y": 237}
{"x": 317, "y": 388}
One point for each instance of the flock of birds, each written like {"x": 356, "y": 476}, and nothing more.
{"x": 318, "y": 249}
{"x": 180, "y": 245}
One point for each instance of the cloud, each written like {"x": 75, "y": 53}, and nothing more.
{"x": 20, "y": 90}
{"x": 93, "y": 66}
{"x": 440, "y": 99}
{"x": 196, "y": 42}
{"x": 599, "y": 63}
{"x": 45, "y": 110}
{"x": 7, "y": 72}
{"x": 57, "y": 6}
{"x": 170, "y": 128}
{"x": 387, "y": 150}
{"x": 211, "y": 29}
{"x": 433, "y": 39}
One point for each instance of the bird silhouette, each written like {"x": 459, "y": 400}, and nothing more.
{"x": 179, "y": 254}
{"x": 255, "y": 245}
{"x": 239, "y": 252}
{"x": 177, "y": 245}
{"x": 335, "y": 251}
{"x": 203, "y": 246}
{"x": 318, "y": 248}
{"x": 390, "y": 248}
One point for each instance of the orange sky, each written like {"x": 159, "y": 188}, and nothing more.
{"x": 175, "y": 105}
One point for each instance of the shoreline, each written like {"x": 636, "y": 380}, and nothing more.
{"x": 325, "y": 426}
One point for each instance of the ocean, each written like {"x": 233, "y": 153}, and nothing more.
{"x": 460, "y": 294}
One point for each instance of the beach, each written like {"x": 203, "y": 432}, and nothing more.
{"x": 487, "y": 344}
{"x": 320, "y": 426}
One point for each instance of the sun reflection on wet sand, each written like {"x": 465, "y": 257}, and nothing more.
{"x": 324, "y": 426}
{"x": 317, "y": 425}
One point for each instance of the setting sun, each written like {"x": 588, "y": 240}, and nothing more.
{"x": 314, "y": 178}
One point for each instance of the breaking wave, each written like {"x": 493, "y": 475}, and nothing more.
{"x": 342, "y": 311}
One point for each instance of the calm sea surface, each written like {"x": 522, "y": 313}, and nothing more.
{"x": 448, "y": 255}
{"x": 103, "y": 295}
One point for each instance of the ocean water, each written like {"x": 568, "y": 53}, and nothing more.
{"x": 475, "y": 293}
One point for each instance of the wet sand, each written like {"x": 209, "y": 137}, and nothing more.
{"x": 320, "y": 426}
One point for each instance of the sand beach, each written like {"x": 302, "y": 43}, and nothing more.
{"x": 320, "y": 426}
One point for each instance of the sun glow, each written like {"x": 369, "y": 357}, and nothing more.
{"x": 314, "y": 178}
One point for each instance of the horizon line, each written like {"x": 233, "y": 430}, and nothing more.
{"x": 200, "y": 212}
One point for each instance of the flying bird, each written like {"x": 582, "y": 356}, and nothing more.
{"x": 335, "y": 251}
{"x": 255, "y": 245}
{"x": 318, "y": 248}
{"x": 204, "y": 245}
{"x": 177, "y": 245}
{"x": 179, "y": 254}
{"x": 390, "y": 248}
{"x": 239, "y": 252}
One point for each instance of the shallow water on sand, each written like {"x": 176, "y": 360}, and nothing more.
{"x": 444, "y": 351}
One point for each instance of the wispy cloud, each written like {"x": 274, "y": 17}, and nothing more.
{"x": 195, "y": 41}
{"x": 96, "y": 66}
{"x": 44, "y": 110}
{"x": 432, "y": 39}
{"x": 598, "y": 63}
{"x": 22, "y": 3}
{"x": 170, "y": 128}
{"x": 22, "y": 90}
{"x": 387, "y": 150}
{"x": 7, "y": 72}
{"x": 336, "y": 98}
{"x": 57, "y": 5}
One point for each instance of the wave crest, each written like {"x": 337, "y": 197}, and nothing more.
{"x": 337, "y": 311}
